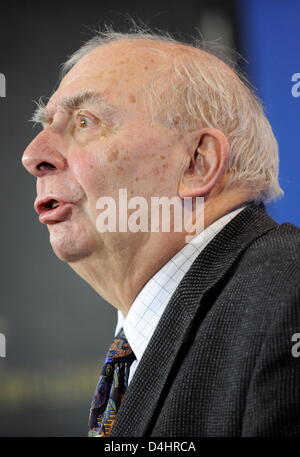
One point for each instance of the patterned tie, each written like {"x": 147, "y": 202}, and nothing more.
{"x": 111, "y": 387}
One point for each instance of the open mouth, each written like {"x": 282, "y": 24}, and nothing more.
{"x": 51, "y": 210}
{"x": 50, "y": 204}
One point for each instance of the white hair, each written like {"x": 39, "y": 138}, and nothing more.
{"x": 199, "y": 89}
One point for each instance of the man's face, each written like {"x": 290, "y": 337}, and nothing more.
{"x": 97, "y": 139}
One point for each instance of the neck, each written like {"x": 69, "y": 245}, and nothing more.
{"x": 119, "y": 274}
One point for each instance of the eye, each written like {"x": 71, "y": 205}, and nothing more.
{"x": 84, "y": 121}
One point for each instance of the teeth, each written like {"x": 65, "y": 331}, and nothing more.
{"x": 54, "y": 205}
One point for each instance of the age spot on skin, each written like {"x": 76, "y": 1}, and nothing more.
{"x": 132, "y": 99}
{"x": 162, "y": 157}
{"x": 113, "y": 156}
{"x": 177, "y": 120}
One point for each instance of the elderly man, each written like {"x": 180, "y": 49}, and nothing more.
{"x": 205, "y": 341}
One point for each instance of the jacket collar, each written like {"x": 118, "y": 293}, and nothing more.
{"x": 167, "y": 346}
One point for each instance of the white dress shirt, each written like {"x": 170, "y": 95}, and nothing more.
{"x": 150, "y": 303}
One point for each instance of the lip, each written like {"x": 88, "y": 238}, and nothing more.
{"x": 55, "y": 215}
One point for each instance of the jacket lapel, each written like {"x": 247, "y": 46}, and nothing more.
{"x": 171, "y": 338}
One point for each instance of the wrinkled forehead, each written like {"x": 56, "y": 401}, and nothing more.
{"x": 122, "y": 57}
{"x": 119, "y": 71}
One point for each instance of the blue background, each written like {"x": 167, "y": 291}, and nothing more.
{"x": 269, "y": 33}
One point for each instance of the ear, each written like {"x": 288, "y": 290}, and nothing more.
{"x": 206, "y": 164}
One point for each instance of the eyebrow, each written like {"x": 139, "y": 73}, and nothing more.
{"x": 43, "y": 114}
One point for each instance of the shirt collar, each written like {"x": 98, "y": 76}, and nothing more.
{"x": 149, "y": 305}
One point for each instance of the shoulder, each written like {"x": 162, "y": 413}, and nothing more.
{"x": 275, "y": 253}
{"x": 263, "y": 283}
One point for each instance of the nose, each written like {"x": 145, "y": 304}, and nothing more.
{"x": 42, "y": 155}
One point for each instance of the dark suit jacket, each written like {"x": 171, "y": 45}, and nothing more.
{"x": 220, "y": 362}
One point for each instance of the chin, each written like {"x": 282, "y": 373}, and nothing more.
{"x": 69, "y": 246}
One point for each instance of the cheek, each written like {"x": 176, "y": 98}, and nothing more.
{"x": 141, "y": 166}
{"x": 101, "y": 170}
{"x": 154, "y": 169}
{"x": 86, "y": 163}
